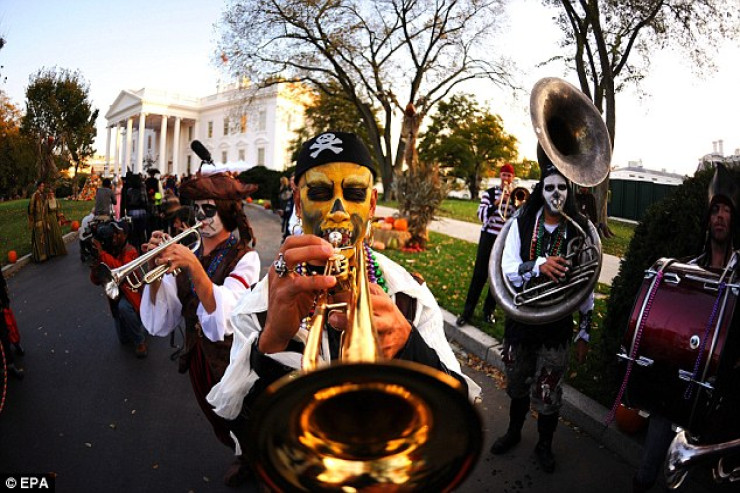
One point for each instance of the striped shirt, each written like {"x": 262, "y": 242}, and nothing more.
{"x": 488, "y": 211}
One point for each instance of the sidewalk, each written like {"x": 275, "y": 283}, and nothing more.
{"x": 582, "y": 411}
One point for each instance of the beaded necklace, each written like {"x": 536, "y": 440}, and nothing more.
{"x": 215, "y": 261}
{"x": 536, "y": 248}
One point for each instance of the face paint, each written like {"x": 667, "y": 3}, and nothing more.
{"x": 337, "y": 197}
{"x": 554, "y": 191}
{"x": 206, "y": 212}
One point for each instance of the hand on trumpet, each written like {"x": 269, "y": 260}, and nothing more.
{"x": 555, "y": 268}
{"x": 291, "y": 297}
{"x": 392, "y": 327}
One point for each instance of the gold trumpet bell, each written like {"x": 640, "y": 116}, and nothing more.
{"x": 363, "y": 423}
{"x": 390, "y": 426}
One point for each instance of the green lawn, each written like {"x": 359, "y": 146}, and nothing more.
{"x": 14, "y": 231}
{"x": 467, "y": 210}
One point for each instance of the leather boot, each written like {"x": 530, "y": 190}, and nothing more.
{"x": 518, "y": 409}
{"x": 546, "y": 425}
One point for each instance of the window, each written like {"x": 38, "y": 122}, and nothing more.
{"x": 149, "y": 142}
{"x": 189, "y": 161}
{"x": 226, "y": 126}
{"x": 262, "y": 121}
{"x": 210, "y": 130}
{"x": 241, "y": 155}
{"x": 190, "y": 133}
{"x": 223, "y": 157}
{"x": 261, "y": 156}
{"x": 243, "y": 126}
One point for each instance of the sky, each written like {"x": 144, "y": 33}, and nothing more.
{"x": 170, "y": 45}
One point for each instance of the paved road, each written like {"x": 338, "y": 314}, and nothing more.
{"x": 102, "y": 420}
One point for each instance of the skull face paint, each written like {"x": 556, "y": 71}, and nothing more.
{"x": 554, "y": 191}
{"x": 206, "y": 212}
{"x": 337, "y": 197}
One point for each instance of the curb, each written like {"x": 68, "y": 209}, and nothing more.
{"x": 11, "y": 269}
{"x": 584, "y": 412}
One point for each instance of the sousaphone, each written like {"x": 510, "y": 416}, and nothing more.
{"x": 572, "y": 134}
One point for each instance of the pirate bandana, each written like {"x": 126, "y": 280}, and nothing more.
{"x": 332, "y": 147}
{"x": 207, "y": 213}
{"x": 338, "y": 196}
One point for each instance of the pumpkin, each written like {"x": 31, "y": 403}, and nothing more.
{"x": 401, "y": 225}
{"x": 249, "y": 200}
{"x": 378, "y": 245}
{"x": 12, "y": 256}
{"x": 267, "y": 205}
{"x": 75, "y": 226}
{"x": 629, "y": 419}
{"x": 389, "y": 219}
{"x": 392, "y": 243}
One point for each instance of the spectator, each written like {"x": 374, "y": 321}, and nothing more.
{"x": 54, "y": 218}
{"x": 105, "y": 199}
{"x": 5, "y": 333}
{"x": 112, "y": 249}
{"x": 37, "y": 210}
{"x": 136, "y": 205}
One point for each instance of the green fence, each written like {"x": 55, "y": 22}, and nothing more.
{"x": 630, "y": 199}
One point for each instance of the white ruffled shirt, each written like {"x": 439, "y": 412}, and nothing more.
{"x": 227, "y": 396}
{"x": 165, "y": 314}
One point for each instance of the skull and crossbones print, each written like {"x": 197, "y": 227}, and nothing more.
{"x": 327, "y": 141}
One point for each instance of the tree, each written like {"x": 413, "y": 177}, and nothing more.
{"x": 17, "y": 157}
{"x": 602, "y": 34}
{"x": 382, "y": 54}
{"x": 467, "y": 141}
{"x": 329, "y": 112}
{"x": 60, "y": 117}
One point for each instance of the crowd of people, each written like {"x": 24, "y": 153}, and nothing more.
{"x": 243, "y": 333}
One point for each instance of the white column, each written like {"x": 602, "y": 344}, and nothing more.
{"x": 140, "y": 143}
{"x": 106, "y": 171}
{"x": 176, "y": 147}
{"x": 129, "y": 143}
{"x": 163, "y": 145}
{"x": 117, "y": 159}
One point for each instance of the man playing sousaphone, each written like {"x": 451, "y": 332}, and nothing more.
{"x": 536, "y": 356}
{"x": 334, "y": 194}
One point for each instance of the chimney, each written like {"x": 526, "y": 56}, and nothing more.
{"x": 721, "y": 151}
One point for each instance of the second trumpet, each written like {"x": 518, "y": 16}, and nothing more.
{"x": 136, "y": 273}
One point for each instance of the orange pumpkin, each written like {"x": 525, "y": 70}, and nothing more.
{"x": 389, "y": 219}
{"x": 75, "y": 226}
{"x": 249, "y": 200}
{"x": 12, "y": 256}
{"x": 629, "y": 419}
{"x": 401, "y": 225}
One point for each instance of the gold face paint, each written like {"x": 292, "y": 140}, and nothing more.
{"x": 337, "y": 197}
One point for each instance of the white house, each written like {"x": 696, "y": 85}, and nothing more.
{"x": 237, "y": 125}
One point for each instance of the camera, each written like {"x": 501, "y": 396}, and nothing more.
{"x": 104, "y": 233}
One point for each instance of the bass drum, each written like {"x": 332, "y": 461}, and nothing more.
{"x": 686, "y": 304}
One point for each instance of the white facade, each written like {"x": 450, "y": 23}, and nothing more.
{"x": 237, "y": 125}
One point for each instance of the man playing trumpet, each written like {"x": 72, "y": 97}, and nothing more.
{"x": 496, "y": 206}
{"x": 334, "y": 196}
{"x": 536, "y": 356}
{"x": 213, "y": 278}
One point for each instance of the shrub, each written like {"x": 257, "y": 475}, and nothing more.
{"x": 268, "y": 181}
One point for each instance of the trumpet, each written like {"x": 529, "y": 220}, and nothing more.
{"x": 362, "y": 423}
{"x": 135, "y": 273}
{"x": 520, "y": 195}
